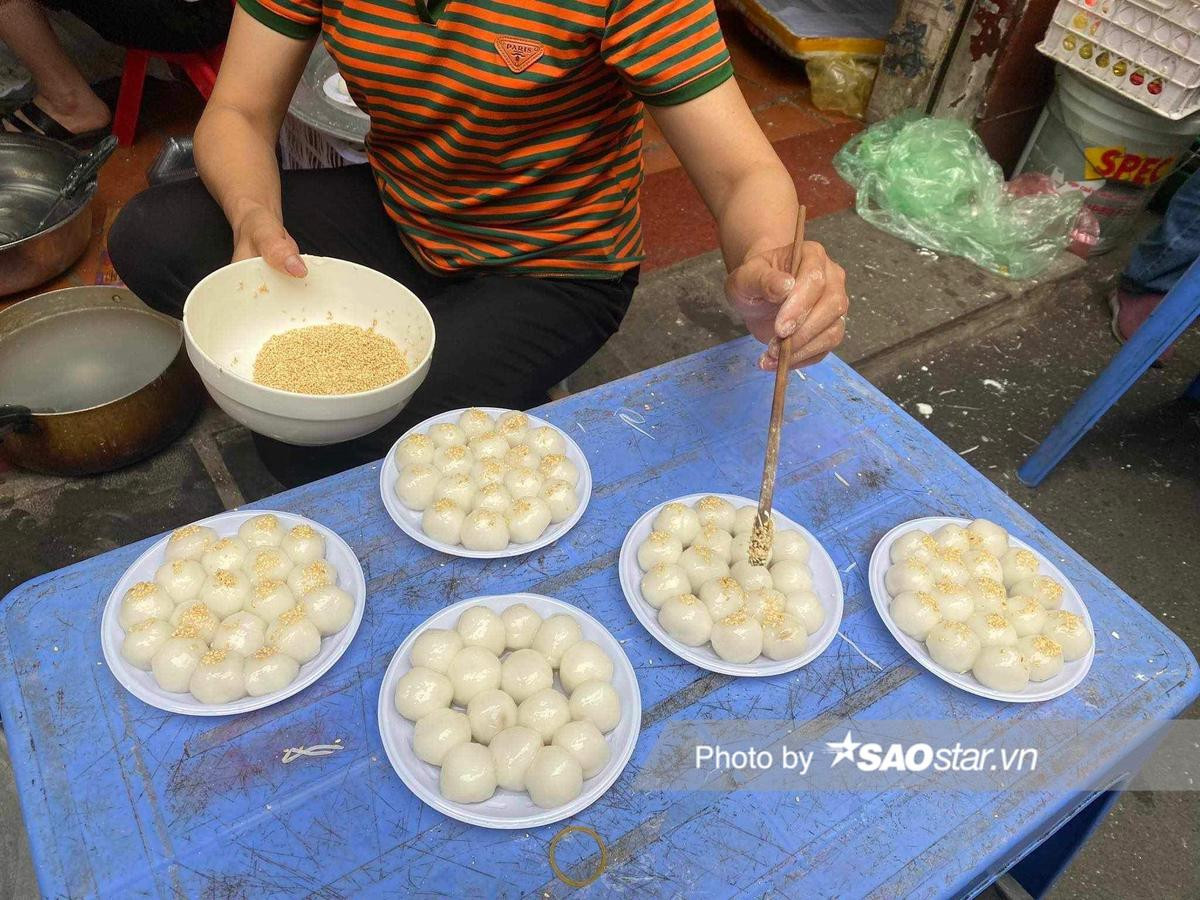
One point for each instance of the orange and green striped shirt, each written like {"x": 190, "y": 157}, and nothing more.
{"x": 507, "y": 134}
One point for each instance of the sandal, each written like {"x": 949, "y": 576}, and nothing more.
{"x": 32, "y": 119}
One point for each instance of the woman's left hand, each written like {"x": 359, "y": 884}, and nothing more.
{"x": 811, "y": 307}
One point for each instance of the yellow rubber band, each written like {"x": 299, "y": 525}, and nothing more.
{"x": 562, "y": 876}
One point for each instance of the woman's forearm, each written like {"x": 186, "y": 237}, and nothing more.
{"x": 758, "y": 214}
{"x": 236, "y": 161}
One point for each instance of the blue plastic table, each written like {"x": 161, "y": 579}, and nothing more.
{"x": 122, "y": 799}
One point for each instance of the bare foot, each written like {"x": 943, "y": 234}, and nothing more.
{"x": 78, "y": 114}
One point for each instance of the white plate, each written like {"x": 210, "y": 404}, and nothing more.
{"x": 142, "y": 684}
{"x": 827, "y": 585}
{"x": 509, "y": 809}
{"x": 410, "y": 521}
{"x": 1072, "y": 673}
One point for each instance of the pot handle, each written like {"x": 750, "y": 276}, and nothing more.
{"x": 15, "y": 418}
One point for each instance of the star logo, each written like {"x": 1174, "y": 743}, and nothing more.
{"x": 843, "y": 749}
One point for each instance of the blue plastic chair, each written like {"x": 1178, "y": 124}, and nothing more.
{"x": 1179, "y": 308}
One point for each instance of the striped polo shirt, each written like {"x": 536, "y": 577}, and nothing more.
{"x": 507, "y": 134}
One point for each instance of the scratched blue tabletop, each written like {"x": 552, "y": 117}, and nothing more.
{"x": 121, "y": 799}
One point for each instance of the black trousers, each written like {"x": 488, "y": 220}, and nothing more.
{"x": 501, "y": 340}
{"x": 168, "y": 26}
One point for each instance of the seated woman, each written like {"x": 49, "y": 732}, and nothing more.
{"x": 502, "y": 188}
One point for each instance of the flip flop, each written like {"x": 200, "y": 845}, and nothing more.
{"x": 32, "y": 119}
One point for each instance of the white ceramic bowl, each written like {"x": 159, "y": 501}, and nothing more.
{"x": 827, "y": 585}
{"x": 509, "y": 809}
{"x": 409, "y": 520}
{"x": 1072, "y": 673}
{"x": 230, "y": 314}
{"x": 142, "y": 684}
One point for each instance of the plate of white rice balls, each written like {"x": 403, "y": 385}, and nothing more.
{"x": 687, "y": 577}
{"x": 981, "y": 610}
{"x": 510, "y": 711}
{"x": 485, "y": 483}
{"x": 233, "y": 613}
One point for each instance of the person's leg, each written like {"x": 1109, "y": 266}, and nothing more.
{"x": 62, "y": 93}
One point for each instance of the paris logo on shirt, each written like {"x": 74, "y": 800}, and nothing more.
{"x": 519, "y": 53}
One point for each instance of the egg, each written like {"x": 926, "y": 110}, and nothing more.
{"x": 293, "y": 634}
{"x": 560, "y": 498}
{"x": 520, "y": 625}
{"x": 243, "y": 632}
{"x": 764, "y": 602}
{"x": 702, "y": 564}
{"x": 1001, "y": 668}
{"x": 993, "y": 630}
{"x": 475, "y": 422}
{"x": 488, "y": 471}
{"x": 722, "y": 597}
{"x": 528, "y": 519}
{"x": 751, "y": 577}
{"x": 416, "y": 485}
{"x": 743, "y": 519}
{"x": 315, "y": 574}
{"x": 489, "y": 445}
{"x": 1043, "y": 656}
{"x": 737, "y": 638}
{"x": 953, "y": 646}
{"x": 717, "y": 512}
{"x": 790, "y": 576}
{"x": 446, "y": 434}
{"x": 468, "y": 774}
{"x": 981, "y": 564}
{"x": 225, "y": 592}
{"x": 494, "y": 498}
{"x": 181, "y": 579}
{"x": 490, "y": 712}
{"x": 985, "y": 535}
{"x": 953, "y": 600}
{"x": 952, "y": 537}
{"x": 1043, "y": 588}
{"x": 454, "y": 460}
{"x": 1027, "y": 615}
{"x": 522, "y": 482}
{"x": 329, "y": 608}
{"x": 783, "y": 636}
{"x": 947, "y": 565}
{"x": 479, "y": 626}
{"x": 434, "y": 648}
{"x": 806, "y": 607}
{"x": 789, "y": 545}
{"x": 416, "y": 449}
{"x": 458, "y": 489}
{"x": 513, "y": 425}
{"x": 303, "y": 544}
{"x": 662, "y": 582}
{"x": 914, "y": 544}
{"x": 597, "y": 702}
{"x": 679, "y": 521}
{"x": 199, "y": 617}
{"x": 524, "y": 673}
{"x": 267, "y": 671}
{"x": 909, "y": 575}
{"x": 586, "y": 744}
{"x": 261, "y": 531}
{"x": 658, "y": 547}
{"x": 544, "y": 712}
{"x": 420, "y": 691}
{"x": 473, "y": 669}
{"x": 739, "y": 549}
{"x": 269, "y": 598}
{"x": 484, "y": 530}
{"x": 145, "y": 600}
{"x": 143, "y": 639}
{"x": 1018, "y": 565}
{"x": 513, "y": 750}
{"x": 989, "y": 595}
{"x": 218, "y": 677}
{"x": 546, "y": 441}
{"x": 443, "y": 522}
{"x": 176, "y": 659}
{"x": 685, "y": 619}
{"x": 584, "y": 661}
{"x": 439, "y": 732}
{"x": 189, "y": 542}
{"x": 226, "y": 553}
{"x": 522, "y": 456}
{"x": 553, "y": 778}
{"x": 557, "y": 466}
{"x": 267, "y": 563}
{"x": 915, "y": 613}
{"x": 1069, "y": 631}
{"x": 713, "y": 538}
{"x": 555, "y": 635}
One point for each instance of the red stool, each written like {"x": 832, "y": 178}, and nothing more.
{"x": 201, "y": 67}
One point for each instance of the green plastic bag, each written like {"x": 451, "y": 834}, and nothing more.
{"x": 931, "y": 182}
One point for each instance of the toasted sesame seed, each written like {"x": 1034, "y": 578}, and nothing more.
{"x": 293, "y": 615}
{"x": 225, "y": 578}
{"x": 266, "y": 522}
{"x": 329, "y": 359}
{"x": 212, "y": 657}
{"x": 265, "y": 652}
{"x": 303, "y": 531}
{"x": 142, "y": 590}
{"x": 185, "y": 532}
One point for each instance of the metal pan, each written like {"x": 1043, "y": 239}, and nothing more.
{"x": 91, "y": 379}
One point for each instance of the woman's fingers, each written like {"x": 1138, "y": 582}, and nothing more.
{"x": 282, "y": 253}
{"x": 810, "y": 352}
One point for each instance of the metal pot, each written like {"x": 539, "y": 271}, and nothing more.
{"x": 32, "y": 171}
{"x": 91, "y": 379}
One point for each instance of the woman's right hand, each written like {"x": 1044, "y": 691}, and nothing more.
{"x": 260, "y": 233}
